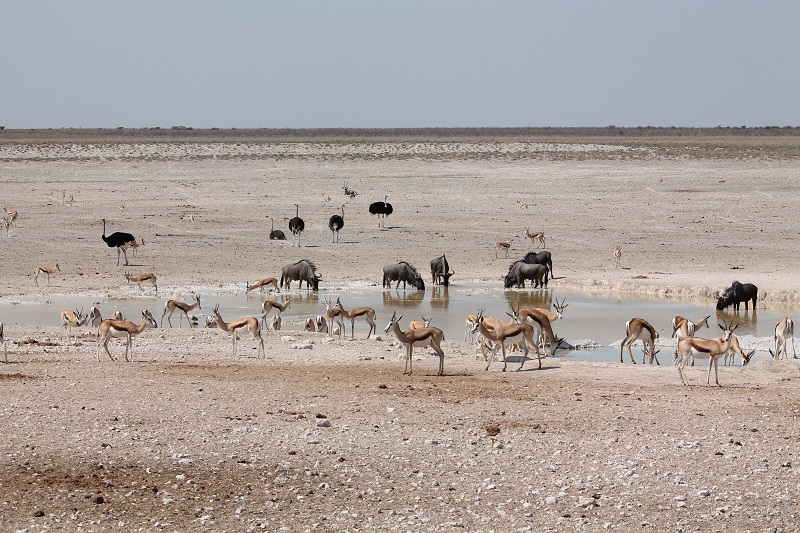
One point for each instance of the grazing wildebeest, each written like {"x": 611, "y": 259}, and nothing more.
{"x": 440, "y": 271}
{"x": 736, "y": 294}
{"x": 404, "y": 272}
{"x": 540, "y": 258}
{"x": 519, "y": 271}
{"x": 303, "y": 270}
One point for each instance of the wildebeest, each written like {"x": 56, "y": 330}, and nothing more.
{"x": 519, "y": 271}
{"x": 303, "y": 270}
{"x": 440, "y": 271}
{"x": 404, "y": 272}
{"x": 540, "y": 258}
{"x": 736, "y": 294}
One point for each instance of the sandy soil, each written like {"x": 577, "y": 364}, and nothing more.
{"x": 336, "y": 438}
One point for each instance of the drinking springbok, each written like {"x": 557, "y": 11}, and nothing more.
{"x": 639, "y": 328}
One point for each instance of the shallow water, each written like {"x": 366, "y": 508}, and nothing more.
{"x": 597, "y": 317}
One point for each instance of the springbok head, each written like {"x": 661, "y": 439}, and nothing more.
{"x": 392, "y": 321}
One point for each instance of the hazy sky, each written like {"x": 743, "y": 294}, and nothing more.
{"x": 405, "y": 63}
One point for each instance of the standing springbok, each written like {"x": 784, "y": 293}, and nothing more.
{"x": 502, "y": 245}
{"x": 617, "y": 256}
{"x": 415, "y": 324}
{"x": 417, "y": 338}
{"x": 683, "y": 327}
{"x": 535, "y": 236}
{"x": 639, "y": 328}
{"x": 70, "y": 319}
{"x": 172, "y": 305}
{"x": 335, "y": 318}
{"x": 268, "y": 306}
{"x": 510, "y": 333}
{"x": 783, "y": 328}
{"x": 713, "y": 349}
{"x": 123, "y": 328}
{"x": 46, "y": 270}
{"x": 142, "y": 277}
{"x": 249, "y": 322}
{"x": 261, "y": 283}
{"x": 367, "y": 313}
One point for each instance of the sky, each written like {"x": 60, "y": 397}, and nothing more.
{"x": 397, "y": 64}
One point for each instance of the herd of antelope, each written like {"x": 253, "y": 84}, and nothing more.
{"x": 527, "y": 329}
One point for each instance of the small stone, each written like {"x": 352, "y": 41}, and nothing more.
{"x": 38, "y": 514}
{"x": 492, "y": 430}
{"x": 323, "y": 423}
{"x": 98, "y": 500}
{"x": 587, "y": 503}
{"x": 704, "y": 493}
{"x": 551, "y": 500}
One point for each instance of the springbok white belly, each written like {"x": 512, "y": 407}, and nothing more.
{"x": 420, "y": 344}
{"x": 118, "y": 332}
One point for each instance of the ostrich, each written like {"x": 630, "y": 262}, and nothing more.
{"x": 118, "y": 240}
{"x": 382, "y": 209}
{"x": 336, "y": 223}
{"x": 296, "y": 225}
{"x": 276, "y": 234}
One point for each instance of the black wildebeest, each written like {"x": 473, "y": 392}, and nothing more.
{"x": 519, "y": 271}
{"x": 540, "y": 258}
{"x": 382, "y": 209}
{"x": 303, "y": 270}
{"x": 404, "y": 272}
{"x": 736, "y": 294}
{"x": 440, "y": 271}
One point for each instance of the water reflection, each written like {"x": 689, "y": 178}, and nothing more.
{"x": 440, "y": 297}
{"x": 532, "y": 298}
{"x": 404, "y": 299}
{"x": 746, "y": 319}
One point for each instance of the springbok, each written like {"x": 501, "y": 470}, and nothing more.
{"x": 70, "y": 319}
{"x": 617, "y": 256}
{"x": 261, "y": 283}
{"x": 367, "y": 313}
{"x": 335, "y": 316}
{"x": 469, "y": 324}
{"x": 735, "y": 350}
{"x": 552, "y": 316}
{"x": 249, "y": 322}
{"x": 783, "y": 328}
{"x": 535, "y": 236}
{"x": 310, "y": 325}
{"x": 713, "y": 349}
{"x": 502, "y": 245}
{"x": 639, "y": 328}
{"x": 540, "y": 318}
{"x": 123, "y": 328}
{"x": 268, "y": 306}
{"x": 46, "y": 270}
{"x": 322, "y": 324}
{"x": 682, "y": 327}
{"x": 511, "y": 333}
{"x": 172, "y": 305}
{"x": 417, "y": 338}
{"x": 414, "y": 324}
{"x": 140, "y": 278}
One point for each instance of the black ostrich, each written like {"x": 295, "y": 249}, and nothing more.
{"x": 336, "y": 223}
{"x": 276, "y": 234}
{"x": 296, "y": 225}
{"x": 382, "y": 209}
{"x": 118, "y": 240}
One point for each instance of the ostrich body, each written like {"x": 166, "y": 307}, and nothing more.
{"x": 382, "y": 209}
{"x": 276, "y": 234}
{"x": 336, "y": 223}
{"x": 296, "y": 225}
{"x": 119, "y": 240}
